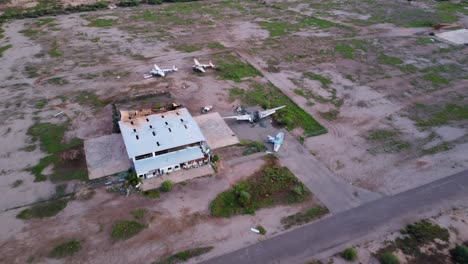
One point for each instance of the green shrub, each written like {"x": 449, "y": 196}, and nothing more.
{"x": 184, "y": 255}
{"x": 271, "y": 186}
{"x": 349, "y": 254}
{"x": 418, "y": 235}
{"x": 460, "y": 254}
{"x": 215, "y": 158}
{"x": 261, "y": 229}
{"x": 65, "y": 249}
{"x": 139, "y": 213}
{"x": 133, "y": 179}
{"x": 167, "y": 186}
{"x": 152, "y": 194}
{"x": 43, "y": 210}
{"x": 304, "y": 217}
{"x": 125, "y": 229}
{"x": 388, "y": 258}
{"x": 154, "y": 2}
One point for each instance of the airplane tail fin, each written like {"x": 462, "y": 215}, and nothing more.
{"x": 212, "y": 65}
{"x": 174, "y": 68}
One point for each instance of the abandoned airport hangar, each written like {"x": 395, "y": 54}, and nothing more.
{"x": 159, "y": 143}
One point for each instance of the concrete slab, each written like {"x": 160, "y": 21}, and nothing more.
{"x": 217, "y": 133}
{"x": 177, "y": 176}
{"x": 106, "y": 155}
{"x": 459, "y": 36}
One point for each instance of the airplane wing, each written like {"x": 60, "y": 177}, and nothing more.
{"x": 201, "y": 69}
{"x": 239, "y": 117}
{"x": 196, "y": 62}
{"x": 278, "y": 141}
{"x": 269, "y": 111}
{"x": 157, "y": 68}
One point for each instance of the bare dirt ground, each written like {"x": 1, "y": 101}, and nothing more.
{"x": 371, "y": 71}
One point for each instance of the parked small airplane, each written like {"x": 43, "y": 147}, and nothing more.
{"x": 158, "y": 72}
{"x": 277, "y": 141}
{"x": 197, "y": 66}
{"x": 255, "y": 116}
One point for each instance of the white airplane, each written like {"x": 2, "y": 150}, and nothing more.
{"x": 158, "y": 72}
{"x": 255, "y": 116}
{"x": 277, "y": 141}
{"x": 197, "y": 66}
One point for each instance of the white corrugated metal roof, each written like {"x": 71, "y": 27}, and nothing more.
{"x": 158, "y": 132}
{"x": 168, "y": 159}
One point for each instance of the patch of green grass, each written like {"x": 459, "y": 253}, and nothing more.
{"x": 271, "y": 186}
{"x": 44, "y": 21}
{"x": 436, "y": 79}
{"x": 444, "y": 146}
{"x": 388, "y": 258}
{"x": 184, "y": 255}
{"x": 424, "y": 41}
{"x": 381, "y": 134}
{"x": 139, "y": 213}
{"x": 345, "y": 50}
{"x": 277, "y": 28}
{"x": 304, "y": 217}
{"x": 349, "y": 254}
{"x": 30, "y": 33}
{"x": 235, "y": 70}
{"x": 384, "y": 59}
{"x": 54, "y": 51}
{"x": 330, "y": 115}
{"x": 460, "y": 254}
{"x": 420, "y": 234}
{"x": 31, "y": 71}
{"x": 41, "y": 104}
{"x": 57, "y": 81}
{"x": 252, "y": 146}
{"x": 50, "y": 137}
{"x": 187, "y": 48}
{"x": 235, "y": 93}
{"x": 408, "y": 68}
{"x": 125, "y": 229}
{"x": 152, "y": 194}
{"x": 29, "y": 148}
{"x": 102, "y": 22}
{"x": 166, "y": 186}
{"x": 89, "y": 99}
{"x": 291, "y": 116}
{"x": 429, "y": 116}
{"x": 4, "y": 48}
{"x": 43, "y": 210}
{"x": 66, "y": 249}
{"x": 325, "y": 81}
{"x": 450, "y": 7}
{"x": 215, "y": 45}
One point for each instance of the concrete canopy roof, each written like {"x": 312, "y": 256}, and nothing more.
{"x": 168, "y": 159}
{"x": 157, "y": 132}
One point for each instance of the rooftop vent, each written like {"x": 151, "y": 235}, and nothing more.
{"x": 137, "y": 137}
{"x": 162, "y": 116}
{"x": 185, "y": 126}
{"x": 154, "y": 134}
{"x": 181, "y": 120}
{"x": 151, "y": 126}
{"x": 166, "y": 123}
{"x": 170, "y": 130}
{"x": 131, "y": 122}
{"x": 158, "y": 143}
{"x": 147, "y": 120}
{"x": 134, "y": 130}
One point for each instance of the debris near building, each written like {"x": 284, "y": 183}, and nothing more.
{"x": 160, "y": 141}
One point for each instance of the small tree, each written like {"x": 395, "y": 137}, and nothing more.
{"x": 388, "y": 258}
{"x": 167, "y": 186}
{"x": 349, "y": 254}
{"x": 133, "y": 179}
{"x": 460, "y": 254}
{"x": 244, "y": 198}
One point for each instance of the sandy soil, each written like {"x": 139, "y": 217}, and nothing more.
{"x": 110, "y": 62}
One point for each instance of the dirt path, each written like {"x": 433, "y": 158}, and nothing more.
{"x": 337, "y": 195}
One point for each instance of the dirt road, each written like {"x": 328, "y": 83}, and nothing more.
{"x": 336, "y": 194}
{"x": 383, "y": 215}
